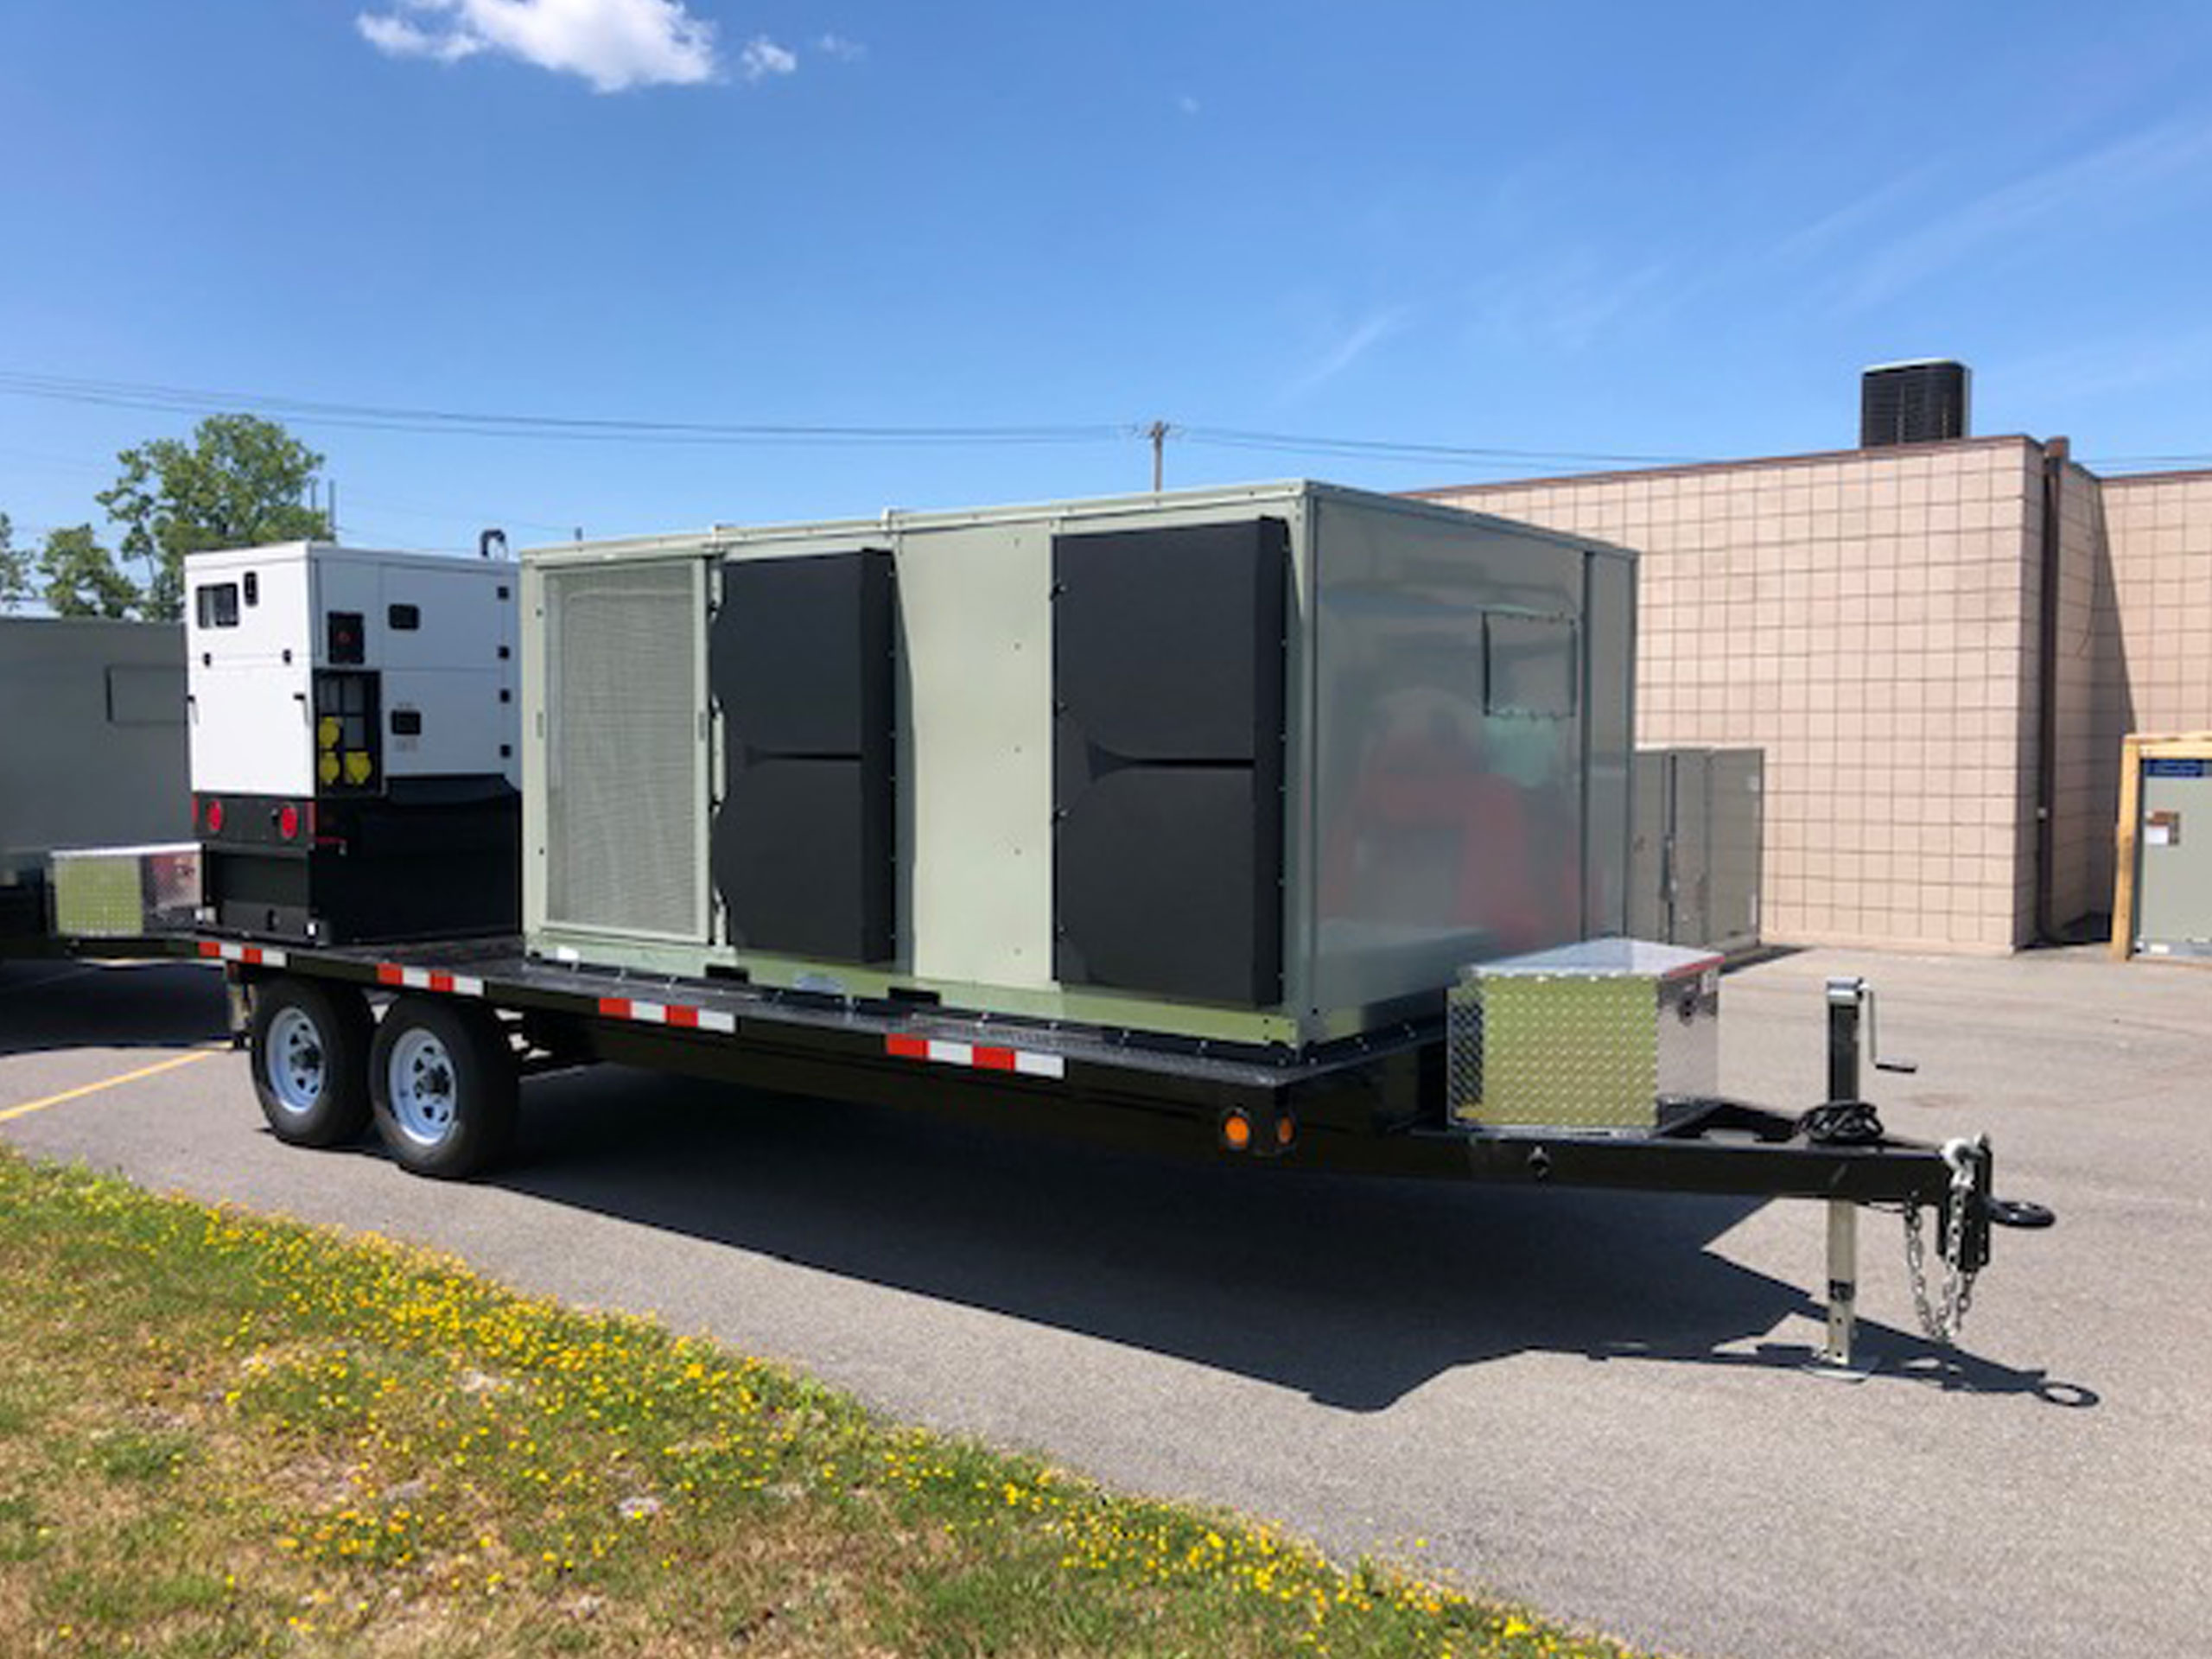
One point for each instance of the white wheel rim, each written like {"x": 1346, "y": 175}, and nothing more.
{"x": 420, "y": 1083}
{"x": 294, "y": 1062}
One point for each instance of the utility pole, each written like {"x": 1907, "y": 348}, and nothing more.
{"x": 1157, "y": 433}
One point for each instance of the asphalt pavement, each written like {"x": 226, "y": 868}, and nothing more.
{"x": 1596, "y": 1403}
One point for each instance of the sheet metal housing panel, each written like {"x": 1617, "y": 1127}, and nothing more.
{"x": 1449, "y": 806}
{"x": 1652, "y": 776}
{"x": 1609, "y": 741}
{"x": 1735, "y": 863}
{"x": 252, "y": 722}
{"x": 1689, "y": 876}
{"x": 976, "y": 742}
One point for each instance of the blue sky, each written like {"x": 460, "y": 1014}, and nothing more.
{"x": 1572, "y": 230}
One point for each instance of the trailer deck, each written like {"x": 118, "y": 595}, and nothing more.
{"x": 1367, "y": 1103}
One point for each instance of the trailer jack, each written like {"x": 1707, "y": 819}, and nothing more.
{"x": 1969, "y": 1208}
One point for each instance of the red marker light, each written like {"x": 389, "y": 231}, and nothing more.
{"x": 287, "y": 821}
{"x": 213, "y": 817}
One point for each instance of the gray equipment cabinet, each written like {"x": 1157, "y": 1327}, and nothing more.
{"x": 1695, "y": 852}
{"x": 1260, "y": 766}
{"x": 2162, "y": 904}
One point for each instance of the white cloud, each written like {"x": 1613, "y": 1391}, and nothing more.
{"x": 396, "y": 37}
{"x": 762, "y": 58}
{"x": 837, "y": 47}
{"x": 2147, "y": 170}
{"x": 1575, "y": 298}
{"x": 613, "y": 44}
{"x": 1346, "y": 350}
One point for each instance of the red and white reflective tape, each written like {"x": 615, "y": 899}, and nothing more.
{"x": 254, "y": 955}
{"x": 428, "y": 979}
{"x": 682, "y": 1015}
{"x": 981, "y": 1057}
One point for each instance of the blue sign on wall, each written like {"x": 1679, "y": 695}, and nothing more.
{"x": 2175, "y": 768}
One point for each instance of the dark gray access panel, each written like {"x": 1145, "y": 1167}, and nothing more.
{"x": 800, "y": 655}
{"x": 1167, "y": 683}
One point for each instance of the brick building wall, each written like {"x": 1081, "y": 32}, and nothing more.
{"x": 2159, "y": 528}
{"x": 1870, "y": 619}
{"x": 2090, "y": 676}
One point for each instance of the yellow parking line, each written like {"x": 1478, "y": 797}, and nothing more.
{"x": 169, "y": 1064}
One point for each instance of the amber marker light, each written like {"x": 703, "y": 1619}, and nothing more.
{"x": 1236, "y": 1132}
{"x": 1286, "y": 1130}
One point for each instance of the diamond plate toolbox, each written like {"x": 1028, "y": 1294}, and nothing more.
{"x": 125, "y": 892}
{"x": 1586, "y": 1036}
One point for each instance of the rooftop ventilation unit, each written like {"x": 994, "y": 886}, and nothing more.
{"x": 1922, "y": 402}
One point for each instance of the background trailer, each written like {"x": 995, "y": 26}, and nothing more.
{"x": 91, "y": 750}
{"x": 1259, "y": 766}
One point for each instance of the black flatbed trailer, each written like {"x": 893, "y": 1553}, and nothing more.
{"x": 64, "y": 947}
{"x": 463, "y": 1021}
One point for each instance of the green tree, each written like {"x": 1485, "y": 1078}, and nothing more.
{"x": 237, "y": 482}
{"x": 15, "y": 569}
{"x": 81, "y": 578}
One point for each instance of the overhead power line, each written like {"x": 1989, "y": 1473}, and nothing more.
{"x": 624, "y": 429}
{"x": 484, "y": 423}
{"x": 377, "y": 503}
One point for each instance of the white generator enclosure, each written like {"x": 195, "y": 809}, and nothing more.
{"x": 354, "y": 739}
{"x": 1254, "y": 766}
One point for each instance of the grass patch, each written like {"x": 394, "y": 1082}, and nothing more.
{"x": 225, "y": 1435}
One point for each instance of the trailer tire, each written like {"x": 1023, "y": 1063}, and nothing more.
{"x": 309, "y": 1048}
{"x": 444, "y": 1087}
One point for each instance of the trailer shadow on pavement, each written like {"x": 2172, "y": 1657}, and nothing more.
{"x": 1355, "y": 1291}
{"x": 56, "y": 1003}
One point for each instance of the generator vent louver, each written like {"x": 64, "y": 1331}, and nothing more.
{"x": 625, "y": 783}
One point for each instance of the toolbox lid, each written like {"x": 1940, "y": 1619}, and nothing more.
{"x": 1595, "y": 958}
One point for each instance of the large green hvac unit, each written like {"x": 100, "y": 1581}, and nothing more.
{"x": 1254, "y": 765}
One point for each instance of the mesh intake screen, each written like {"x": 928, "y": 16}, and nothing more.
{"x": 624, "y": 789}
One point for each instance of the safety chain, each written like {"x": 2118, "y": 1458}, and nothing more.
{"x": 1943, "y": 1321}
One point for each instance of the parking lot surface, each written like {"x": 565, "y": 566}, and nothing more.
{"x": 1597, "y": 1403}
